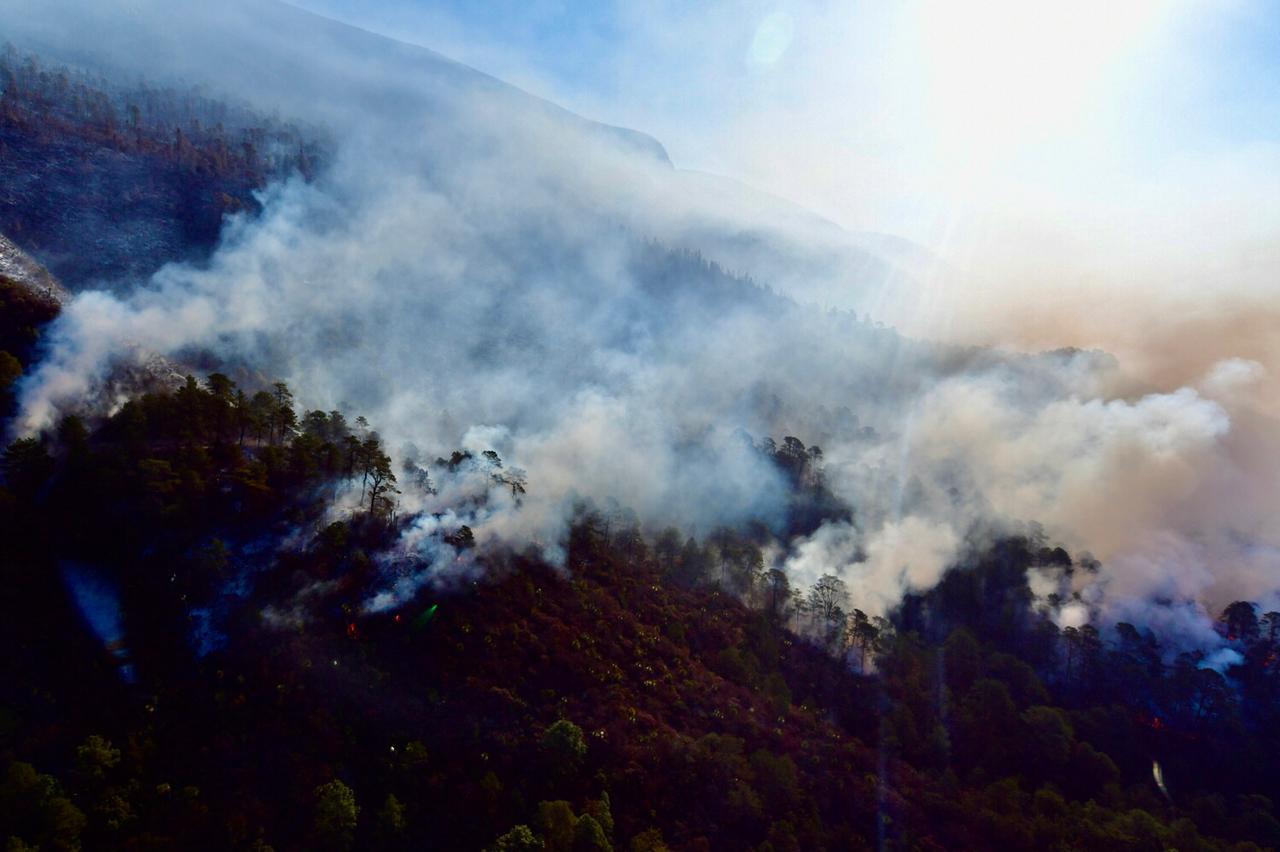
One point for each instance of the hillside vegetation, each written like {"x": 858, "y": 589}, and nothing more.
{"x": 104, "y": 182}
{"x": 653, "y": 692}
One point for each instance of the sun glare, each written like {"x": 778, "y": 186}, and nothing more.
{"x": 1000, "y": 74}
{"x": 772, "y": 38}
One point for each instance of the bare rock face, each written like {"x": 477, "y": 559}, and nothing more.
{"x": 18, "y": 269}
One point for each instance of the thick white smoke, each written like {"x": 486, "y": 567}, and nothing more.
{"x": 1168, "y": 489}
{"x": 904, "y": 556}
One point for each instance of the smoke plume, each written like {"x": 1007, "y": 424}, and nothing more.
{"x": 475, "y": 269}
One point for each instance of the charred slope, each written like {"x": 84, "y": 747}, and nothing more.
{"x": 106, "y": 183}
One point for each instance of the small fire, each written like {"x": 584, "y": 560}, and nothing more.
{"x": 352, "y": 631}
{"x": 1153, "y": 722}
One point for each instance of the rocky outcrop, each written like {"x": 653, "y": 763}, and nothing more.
{"x": 19, "y": 270}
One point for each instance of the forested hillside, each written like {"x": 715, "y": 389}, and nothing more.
{"x": 105, "y": 182}
{"x": 655, "y": 691}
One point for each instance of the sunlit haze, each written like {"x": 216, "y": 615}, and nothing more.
{"x": 1058, "y": 156}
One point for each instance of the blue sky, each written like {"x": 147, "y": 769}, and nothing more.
{"x": 565, "y": 46}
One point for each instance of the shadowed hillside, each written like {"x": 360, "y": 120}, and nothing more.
{"x": 106, "y": 183}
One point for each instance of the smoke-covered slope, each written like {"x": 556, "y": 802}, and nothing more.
{"x": 281, "y": 57}
{"x": 474, "y": 267}
{"x": 610, "y": 579}
{"x": 364, "y": 84}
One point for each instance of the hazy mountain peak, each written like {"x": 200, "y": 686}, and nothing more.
{"x": 323, "y": 69}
